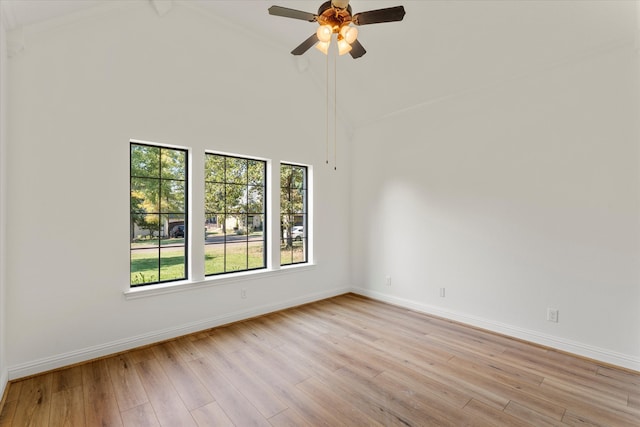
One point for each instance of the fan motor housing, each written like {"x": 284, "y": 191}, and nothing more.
{"x": 333, "y": 16}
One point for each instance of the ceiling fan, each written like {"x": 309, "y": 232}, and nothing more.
{"x": 336, "y": 17}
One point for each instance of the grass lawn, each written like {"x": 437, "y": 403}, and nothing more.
{"x": 236, "y": 258}
{"x": 144, "y": 266}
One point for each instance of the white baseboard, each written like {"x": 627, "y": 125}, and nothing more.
{"x": 94, "y": 352}
{"x": 580, "y": 349}
{"x": 4, "y": 380}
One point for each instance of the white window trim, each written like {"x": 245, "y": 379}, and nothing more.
{"x": 186, "y": 285}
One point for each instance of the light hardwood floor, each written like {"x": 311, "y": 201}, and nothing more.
{"x": 342, "y": 361}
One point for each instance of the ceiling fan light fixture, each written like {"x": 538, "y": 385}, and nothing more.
{"x": 324, "y": 33}
{"x": 323, "y": 47}
{"x": 349, "y": 33}
{"x": 343, "y": 46}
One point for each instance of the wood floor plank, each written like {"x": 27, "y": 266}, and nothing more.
{"x": 298, "y": 403}
{"x": 13, "y": 393}
{"x": 185, "y": 348}
{"x": 67, "y": 407}
{"x": 342, "y": 408}
{"x": 192, "y": 392}
{"x": 211, "y": 415}
{"x": 127, "y": 387}
{"x": 483, "y": 414}
{"x": 141, "y": 355}
{"x": 100, "y": 406}
{"x": 250, "y": 384}
{"x": 634, "y": 400}
{"x": 34, "y": 402}
{"x": 232, "y": 402}
{"x": 524, "y": 413}
{"x": 7, "y": 413}
{"x": 289, "y": 418}
{"x": 271, "y": 360}
{"x": 140, "y": 416}
{"x": 165, "y": 400}
{"x": 443, "y": 412}
{"x": 67, "y": 378}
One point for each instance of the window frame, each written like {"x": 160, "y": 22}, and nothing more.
{"x": 248, "y": 185}
{"x": 305, "y": 214}
{"x": 184, "y": 214}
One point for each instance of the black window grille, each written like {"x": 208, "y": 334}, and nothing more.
{"x": 293, "y": 214}
{"x": 235, "y": 212}
{"x": 159, "y": 218}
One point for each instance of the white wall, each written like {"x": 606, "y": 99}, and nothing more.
{"x": 515, "y": 198}
{"x": 80, "y": 92}
{"x": 3, "y": 181}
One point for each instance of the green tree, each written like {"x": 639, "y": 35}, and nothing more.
{"x": 157, "y": 186}
{"x": 234, "y": 188}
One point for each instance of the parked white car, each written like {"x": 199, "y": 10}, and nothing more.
{"x": 297, "y": 232}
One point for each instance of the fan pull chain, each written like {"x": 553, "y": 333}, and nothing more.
{"x": 327, "y": 133}
{"x": 335, "y": 110}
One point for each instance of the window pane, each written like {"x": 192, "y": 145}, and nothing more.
{"x": 214, "y": 168}
{"x": 236, "y": 196}
{"x": 298, "y": 250}
{"x": 214, "y": 259}
{"x": 297, "y": 201}
{"x": 286, "y": 256}
{"x": 256, "y": 172}
{"x": 214, "y": 198}
{"x": 255, "y": 199}
{"x": 145, "y": 161}
{"x": 146, "y": 231}
{"x": 285, "y": 176}
{"x": 255, "y": 226}
{"x": 236, "y": 170}
{"x": 172, "y": 265}
{"x": 213, "y": 228}
{"x": 144, "y": 267}
{"x": 174, "y": 164}
{"x": 285, "y": 200}
{"x": 236, "y": 257}
{"x": 256, "y": 257}
{"x": 177, "y": 229}
{"x": 173, "y": 196}
{"x": 145, "y": 195}
{"x": 298, "y": 178}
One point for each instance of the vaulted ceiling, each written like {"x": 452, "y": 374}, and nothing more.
{"x": 441, "y": 50}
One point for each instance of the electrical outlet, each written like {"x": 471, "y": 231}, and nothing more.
{"x": 387, "y": 280}
{"x": 441, "y": 292}
{"x": 243, "y": 293}
{"x": 552, "y": 315}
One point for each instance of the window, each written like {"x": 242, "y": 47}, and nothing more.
{"x": 293, "y": 214}
{"x": 158, "y": 225}
{"x": 235, "y": 212}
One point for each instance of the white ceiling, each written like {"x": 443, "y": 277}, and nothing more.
{"x": 442, "y": 49}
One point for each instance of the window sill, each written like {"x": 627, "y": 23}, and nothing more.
{"x": 185, "y": 285}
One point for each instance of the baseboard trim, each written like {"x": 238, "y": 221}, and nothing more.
{"x": 94, "y": 352}
{"x": 579, "y": 349}
{"x": 4, "y": 381}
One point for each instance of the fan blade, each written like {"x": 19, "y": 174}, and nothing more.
{"x": 305, "y": 45}
{"x": 292, "y": 13}
{"x": 389, "y": 14}
{"x": 357, "y": 50}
